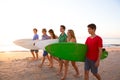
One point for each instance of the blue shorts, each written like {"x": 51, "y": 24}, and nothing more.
{"x": 45, "y": 53}
{"x": 90, "y": 65}
{"x": 36, "y": 51}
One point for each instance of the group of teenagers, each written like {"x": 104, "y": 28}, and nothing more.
{"x": 93, "y": 42}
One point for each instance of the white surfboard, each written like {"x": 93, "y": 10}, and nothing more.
{"x": 41, "y": 44}
{"x": 36, "y": 44}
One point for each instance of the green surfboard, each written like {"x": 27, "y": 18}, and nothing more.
{"x": 70, "y": 51}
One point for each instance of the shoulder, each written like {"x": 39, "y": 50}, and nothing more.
{"x": 42, "y": 35}
{"x": 47, "y": 36}
{"x": 65, "y": 34}
{"x": 88, "y": 38}
{"x": 98, "y": 37}
{"x": 73, "y": 40}
{"x": 36, "y": 35}
{"x": 60, "y": 35}
{"x": 56, "y": 37}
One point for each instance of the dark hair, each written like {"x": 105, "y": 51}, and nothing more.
{"x": 51, "y": 31}
{"x": 92, "y": 26}
{"x": 63, "y": 26}
{"x": 35, "y": 29}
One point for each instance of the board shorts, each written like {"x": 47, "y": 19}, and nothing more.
{"x": 45, "y": 53}
{"x": 36, "y": 51}
{"x": 90, "y": 65}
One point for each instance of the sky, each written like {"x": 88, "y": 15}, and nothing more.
{"x": 19, "y": 17}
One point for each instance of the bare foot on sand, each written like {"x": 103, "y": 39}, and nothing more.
{"x": 32, "y": 59}
{"x": 40, "y": 66}
{"x": 63, "y": 78}
{"x": 76, "y": 75}
{"x": 36, "y": 59}
{"x": 50, "y": 66}
{"x": 59, "y": 73}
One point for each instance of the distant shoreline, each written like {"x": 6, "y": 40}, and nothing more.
{"x": 15, "y": 51}
{"x": 26, "y": 50}
{"x": 111, "y": 45}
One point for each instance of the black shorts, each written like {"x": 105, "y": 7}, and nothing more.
{"x": 90, "y": 65}
{"x": 36, "y": 51}
{"x": 45, "y": 53}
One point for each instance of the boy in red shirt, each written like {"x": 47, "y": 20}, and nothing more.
{"x": 94, "y": 44}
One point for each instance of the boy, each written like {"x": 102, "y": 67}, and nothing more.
{"x": 94, "y": 44}
{"x": 45, "y": 54}
{"x": 62, "y": 38}
{"x": 35, "y": 37}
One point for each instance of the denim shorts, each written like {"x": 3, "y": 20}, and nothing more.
{"x": 45, "y": 53}
{"x": 36, "y": 51}
{"x": 90, "y": 65}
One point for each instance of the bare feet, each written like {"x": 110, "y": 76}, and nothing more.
{"x": 36, "y": 59}
{"x": 50, "y": 66}
{"x": 76, "y": 75}
{"x": 32, "y": 59}
{"x": 63, "y": 78}
{"x": 40, "y": 65}
{"x": 59, "y": 73}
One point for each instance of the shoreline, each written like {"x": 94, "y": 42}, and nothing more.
{"x": 27, "y": 50}
{"x": 20, "y": 54}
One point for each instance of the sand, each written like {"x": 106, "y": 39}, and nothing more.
{"x": 18, "y": 66}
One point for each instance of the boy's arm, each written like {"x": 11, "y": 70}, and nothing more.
{"x": 99, "y": 55}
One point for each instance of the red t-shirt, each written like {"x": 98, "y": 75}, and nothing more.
{"x": 93, "y": 45}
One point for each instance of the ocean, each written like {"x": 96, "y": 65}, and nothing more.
{"x": 107, "y": 42}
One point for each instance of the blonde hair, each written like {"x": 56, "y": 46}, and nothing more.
{"x": 72, "y": 33}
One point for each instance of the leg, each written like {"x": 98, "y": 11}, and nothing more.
{"x": 36, "y": 51}
{"x": 86, "y": 75}
{"x": 97, "y": 76}
{"x": 49, "y": 60}
{"x": 66, "y": 69}
{"x": 32, "y": 52}
{"x": 94, "y": 70}
{"x": 56, "y": 59}
{"x": 60, "y": 66}
{"x": 76, "y": 69}
{"x": 86, "y": 68}
{"x": 43, "y": 60}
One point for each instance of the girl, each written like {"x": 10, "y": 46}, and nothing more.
{"x": 70, "y": 38}
{"x": 52, "y": 36}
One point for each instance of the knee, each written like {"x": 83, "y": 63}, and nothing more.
{"x": 73, "y": 64}
{"x": 95, "y": 74}
{"x": 66, "y": 64}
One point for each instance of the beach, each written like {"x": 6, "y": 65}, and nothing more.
{"x": 17, "y": 65}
